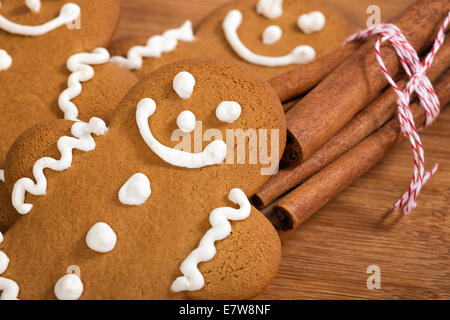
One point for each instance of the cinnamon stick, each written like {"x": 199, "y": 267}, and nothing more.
{"x": 289, "y": 104}
{"x": 308, "y": 198}
{"x": 305, "y": 77}
{"x": 366, "y": 122}
{"x": 357, "y": 81}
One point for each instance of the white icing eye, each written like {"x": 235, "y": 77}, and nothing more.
{"x": 69, "y": 287}
{"x": 186, "y": 121}
{"x": 271, "y": 9}
{"x": 5, "y": 60}
{"x": 33, "y": 5}
{"x": 228, "y": 111}
{"x": 272, "y": 34}
{"x": 101, "y": 238}
{"x": 136, "y": 190}
{"x": 183, "y": 84}
{"x": 311, "y": 22}
{"x": 4, "y": 262}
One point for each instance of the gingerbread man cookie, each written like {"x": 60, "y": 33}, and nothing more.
{"x": 50, "y": 67}
{"x": 270, "y": 36}
{"x": 148, "y": 208}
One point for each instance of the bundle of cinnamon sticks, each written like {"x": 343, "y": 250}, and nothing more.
{"x": 341, "y": 116}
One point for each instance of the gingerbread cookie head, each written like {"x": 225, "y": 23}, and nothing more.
{"x": 36, "y": 41}
{"x": 155, "y": 206}
{"x": 46, "y": 52}
{"x": 270, "y": 36}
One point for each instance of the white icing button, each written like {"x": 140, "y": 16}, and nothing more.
{"x": 69, "y": 287}
{"x": 311, "y": 22}
{"x": 10, "y": 289}
{"x": 1, "y": 237}
{"x": 136, "y": 190}
{"x": 4, "y": 262}
{"x": 186, "y": 121}
{"x": 5, "y": 60}
{"x": 228, "y": 111}
{"x": 183, "y": 84}
{"x": 2, "y": 178}
{"x": 33, "y": 5}
{"x": 101, "y": 238}
{"x": 271, "y": 9}
{"x": 272, "y": 34}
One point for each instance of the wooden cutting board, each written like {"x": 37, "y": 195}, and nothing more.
{"x": 329, "y": 254}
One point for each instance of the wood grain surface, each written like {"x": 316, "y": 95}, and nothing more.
{"x": 329, "y": 254}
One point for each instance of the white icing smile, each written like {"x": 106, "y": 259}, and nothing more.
{"x": 69, "y": 12}
{"x": 300, "y": 55}
{"x": 214, "y": 153}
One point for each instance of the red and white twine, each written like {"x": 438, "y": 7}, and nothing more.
{"x": 418, "y": 83}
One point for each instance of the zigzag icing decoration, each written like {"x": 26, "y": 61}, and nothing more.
{"x": 79, "y": 65}
{"x": 83, "y": 141}
{"x": 221, "y": 228}
{"x": 10, "y": 289}
{"x": 155, "y": 47}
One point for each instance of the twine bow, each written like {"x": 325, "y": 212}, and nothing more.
{"x": 421, "y": 85}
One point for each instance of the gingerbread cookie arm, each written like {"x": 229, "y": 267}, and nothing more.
{"x": 95, "y": 99}
{"x": 36, "y": 142}
{"x": 120, "y": 47}
{"x": 155, "y": 47}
